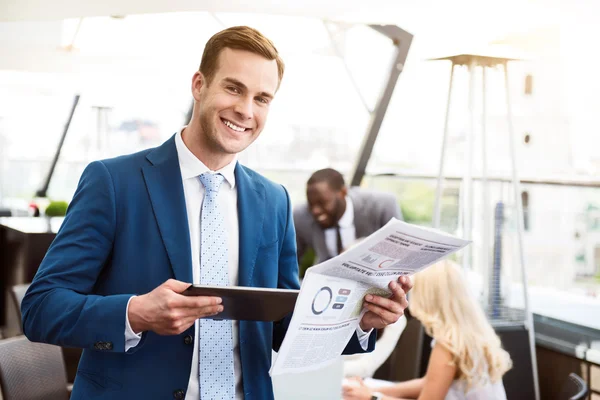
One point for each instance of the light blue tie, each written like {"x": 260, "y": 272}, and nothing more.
{"x": 216, "y": 376}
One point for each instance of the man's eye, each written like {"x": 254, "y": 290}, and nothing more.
{"x": 262, "y": 100}
{"x": 233, "y": 89}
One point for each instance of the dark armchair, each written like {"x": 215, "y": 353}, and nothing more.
{"x": 574, "y": 388}
{"x": 31, "y": 371}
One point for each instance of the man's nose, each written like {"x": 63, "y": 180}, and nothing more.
{"x": 243, "y": 107}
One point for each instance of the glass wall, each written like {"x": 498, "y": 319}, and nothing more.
{"x": 134, "y": 84}
{"x": 561, "y": 243}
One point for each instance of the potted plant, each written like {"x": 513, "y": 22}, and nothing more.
{"x": 56, "y": 209}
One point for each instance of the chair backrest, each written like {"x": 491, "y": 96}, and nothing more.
{"x": 518, "y": 381}
{"x": 18, "y": 292}
{"x": 405, "y": 361}
{"x": 31, "y": 371}
{"x": 574, "y": 388}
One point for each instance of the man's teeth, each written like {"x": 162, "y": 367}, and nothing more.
{"x": 234, "y": 127}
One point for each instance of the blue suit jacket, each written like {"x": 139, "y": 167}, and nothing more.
{"x": 125, "y": 233}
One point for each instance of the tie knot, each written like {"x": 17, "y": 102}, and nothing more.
{"x": 211, "y": 182}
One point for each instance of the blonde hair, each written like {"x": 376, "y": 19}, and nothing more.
{"x": 238, "y": 38}
{"x": 441, "y": 300}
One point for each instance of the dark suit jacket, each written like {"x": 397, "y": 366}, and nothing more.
{"x": 372, "y": 210}
{"x": 125, "y": 233}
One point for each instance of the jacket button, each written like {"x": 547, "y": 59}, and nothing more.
{"x": 108, "y": 346}
{"x": 188, "y": 339}
{"x": 178, "y": 394}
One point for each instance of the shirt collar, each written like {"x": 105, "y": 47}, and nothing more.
{"x": 192, "y": 167}
{"x": 347, "y": 219}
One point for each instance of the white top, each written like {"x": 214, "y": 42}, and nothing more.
{"x": 347, "y": 230}
{"x": 489, "y": 391}
{"x": 483, "y": 390}
{"x": 191, "y": 168}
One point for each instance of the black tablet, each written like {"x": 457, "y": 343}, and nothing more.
{"x": 249, "y": 303}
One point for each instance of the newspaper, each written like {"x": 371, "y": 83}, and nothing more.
{"x": 330, "y": 304}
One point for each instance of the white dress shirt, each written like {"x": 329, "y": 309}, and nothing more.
{"x": 347, "y": 230}
{"x": 191, "y": 168}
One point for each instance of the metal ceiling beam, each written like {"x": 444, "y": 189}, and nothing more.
{"x": 402, "y": 40}
{"x": 43, "y": 191}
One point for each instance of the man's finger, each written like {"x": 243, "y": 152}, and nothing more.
{"x": 406, "y": 283}
{"x": 180, "y": 301}
{"x": 176, "y": 286}
{"x": 391, "y": 304}
{"x": 200, "y": 312}
{"x": 206, "y": 301}
{"x": 386, "y": 316}
{"x": 398, "y": 294}
{"x": 207, "y": 311}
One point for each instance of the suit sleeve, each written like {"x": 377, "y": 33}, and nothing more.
{"x": 301, "y": 244}
{"x": 59, "y": 307}
{"x": 390, "y": 209}
{"x": 354, "y": 346}
{"x": 288, "y": 270}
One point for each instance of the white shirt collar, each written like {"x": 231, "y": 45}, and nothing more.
{"x": 347, "y": 219}
{"x": 192, "y": 167}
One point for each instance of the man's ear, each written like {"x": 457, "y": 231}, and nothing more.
{"x": 198, "y": 82}
{"x": 344, "y": 191}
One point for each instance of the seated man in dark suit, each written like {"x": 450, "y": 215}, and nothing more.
{"x": 335, "y": 215}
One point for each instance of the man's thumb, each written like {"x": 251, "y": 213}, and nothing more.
{"x": 176, "y": 286}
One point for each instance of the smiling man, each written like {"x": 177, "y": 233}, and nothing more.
{"x": 334, "y": 216}
{"x": 142, "y": 227}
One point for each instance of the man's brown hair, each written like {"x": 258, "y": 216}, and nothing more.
{"x": 238, "y": 38}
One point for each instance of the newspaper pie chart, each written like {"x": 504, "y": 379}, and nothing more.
{"x": 322, "y": 300}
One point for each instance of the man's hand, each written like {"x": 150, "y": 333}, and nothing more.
{"x": 386, "y": 311}
{"x": 167, "y": 312}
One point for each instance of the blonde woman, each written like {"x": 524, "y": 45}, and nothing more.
{"x": 467, "y": 361}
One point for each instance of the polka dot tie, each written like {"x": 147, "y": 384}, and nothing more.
{"x": 216, "y": 376}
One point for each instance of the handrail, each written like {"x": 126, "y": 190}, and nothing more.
{"x": 533, "y": 181}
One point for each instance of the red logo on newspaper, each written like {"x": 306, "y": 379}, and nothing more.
{"x": 383, "y": 263}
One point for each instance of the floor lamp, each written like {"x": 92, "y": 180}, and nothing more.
{"x": 472, "y": 61}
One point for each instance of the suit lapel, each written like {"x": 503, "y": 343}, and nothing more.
{"x": 251, "y": 213}
{"x": 165, "y": 188}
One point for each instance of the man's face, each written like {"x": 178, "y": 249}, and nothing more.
{"x": 234, "y": 106}
{"x": 325, "y": 204}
